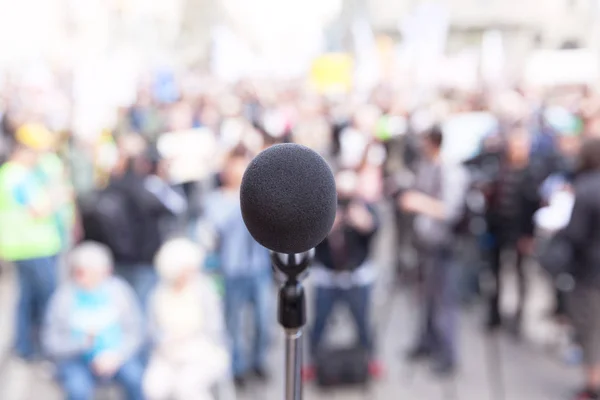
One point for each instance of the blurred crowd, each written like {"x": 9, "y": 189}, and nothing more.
{"x": 134, "y": 264}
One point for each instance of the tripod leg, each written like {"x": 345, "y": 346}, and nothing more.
{"x": 293, "y": 363}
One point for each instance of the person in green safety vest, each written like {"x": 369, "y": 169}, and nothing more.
{"x": 52, "y": 173}
{"x": 29, "y": 236}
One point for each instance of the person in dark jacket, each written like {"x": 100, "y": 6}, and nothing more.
{"x": 151, "y": 207}
{"x": 583, "y": 235}
{"x": 513, "y": 198}
{"x": 165, "y": 205}
{"x": 134, "y": 262}
{"x": 343, "y": 272}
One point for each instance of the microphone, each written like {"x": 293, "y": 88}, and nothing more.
{"x": 288, "y": 198}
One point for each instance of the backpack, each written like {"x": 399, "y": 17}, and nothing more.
{"x": 342, "y": 367}
{"x": 106, "y": 218}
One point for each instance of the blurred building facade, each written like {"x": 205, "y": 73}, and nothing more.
{"x": 181, "y": 30}
{"x": 527, "y": 23}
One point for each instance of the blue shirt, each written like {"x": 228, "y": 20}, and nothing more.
{"x": 96, "y": 314}
{"x": 239, "y": 253}
{"x": 24, "y": 193}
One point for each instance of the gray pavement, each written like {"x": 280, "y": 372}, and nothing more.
{"x": 529, "y": 369}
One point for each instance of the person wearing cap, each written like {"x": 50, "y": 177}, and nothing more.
{"x": 29, "y": 235}
{"x": 93, "y": 327}
{"x": 187, "y": 328}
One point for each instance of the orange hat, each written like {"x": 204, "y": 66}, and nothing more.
{"x": 35, "y": 136}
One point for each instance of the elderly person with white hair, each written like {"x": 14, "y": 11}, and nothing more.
{"x": 93, "y": 327}
{"x": 190, "y": 356}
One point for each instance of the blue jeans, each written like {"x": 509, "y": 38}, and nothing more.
{"x": 358, "y": 300}
{"x": 439, "y": 298}
{"x": 471, "y": 264}
{"x": 37, "y": 279}
{"x": 142, "y": 278}
{"x": 79, "y": 383}
{"x": 239, "y": 292}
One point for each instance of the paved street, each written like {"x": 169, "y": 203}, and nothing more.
{"x": 528, "y": 369}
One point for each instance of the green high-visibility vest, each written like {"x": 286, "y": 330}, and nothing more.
{"x": 52, "y": 172}
{"x": 22, "y": 235}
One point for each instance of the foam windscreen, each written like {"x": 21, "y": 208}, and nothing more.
{"x": 288, "y": 198}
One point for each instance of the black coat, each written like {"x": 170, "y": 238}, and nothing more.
{"x": 147, "y": 215}
{"x": 583, "y": 231}
{"x": 528, "y": 200}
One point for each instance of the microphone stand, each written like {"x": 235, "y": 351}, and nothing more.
{"x": 292, "y": 316}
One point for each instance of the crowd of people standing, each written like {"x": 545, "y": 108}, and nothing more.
{"x": 151, "y": 244}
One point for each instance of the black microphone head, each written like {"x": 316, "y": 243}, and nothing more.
{"x": 288, "y": 198}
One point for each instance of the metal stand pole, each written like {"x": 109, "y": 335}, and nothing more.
{"x": 292, "y": 317}
{"x": 293, "y": 364}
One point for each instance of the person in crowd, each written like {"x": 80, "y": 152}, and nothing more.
{"x": 190, "y": 356}
{"x": 29, "y": 236}
{"x": 356, "y": 140}
{"x": 437, "y": 202}
{"x": 344, "y": 272}
{"x": 93, "y": 327}
{"x": 583, "y": 235}
{"x": 143, "y": 117}
{"x": 245, "y": 267}
{"x": 393, "y": 132}
{"x": 151, "y": 212}
{"x": 80, "y": 158}
{"x": 118, "y": 220}
{"x": 52, "y": 171}
{"x": 513, "y": 198}
{"x": 167, "y": 202}
{"x": 558, "y": 186}
{"x": 562, "y": 161}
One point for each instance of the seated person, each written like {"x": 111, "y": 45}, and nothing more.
{"x": 93, "y": 327}
{"x": 190, "y": 356}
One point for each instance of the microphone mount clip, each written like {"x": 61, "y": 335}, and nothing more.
{"x": 292, "y": 303}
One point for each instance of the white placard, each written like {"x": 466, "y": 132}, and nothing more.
{"x": 464, "y": 133}
{"x": 193, "y": 154}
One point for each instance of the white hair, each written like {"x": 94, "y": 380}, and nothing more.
{"x": 90, "y": 255}
{"x": 177, "y": 256}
